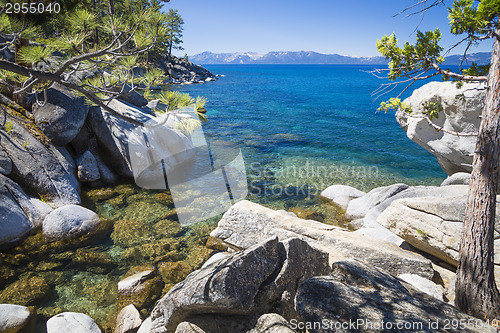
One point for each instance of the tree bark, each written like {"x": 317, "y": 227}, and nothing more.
{"x": 475, "y": 290}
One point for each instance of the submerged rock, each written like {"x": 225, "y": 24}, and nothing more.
{"x": 461, "y": 110}
{"x": 72, "y": 322}
{"x": 69, "y": 222}
{"x": 358, "y": 298}
{"x": 26, "y": 291}
{"x": 307, "y": 214}
{"x": 16, "y": 318}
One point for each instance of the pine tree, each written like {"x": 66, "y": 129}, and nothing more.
{"x": 86, "y": 38}
{"x": 174, "y": 28}
{"x": 476, "y": 291}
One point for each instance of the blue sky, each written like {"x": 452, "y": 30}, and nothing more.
{"x": 327, "y": 26}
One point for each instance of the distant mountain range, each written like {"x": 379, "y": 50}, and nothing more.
{"x": 310, "y": 57}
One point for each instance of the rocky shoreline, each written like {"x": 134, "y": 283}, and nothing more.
{"x": 267, "y": 271}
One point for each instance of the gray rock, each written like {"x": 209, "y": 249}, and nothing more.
{"x": 377, "y": 200}
{"x": 20, "y": 213}
{"x": 424, "y": 285}
{"x": 459, "y": 178}
{"x": 133, "y": 284}
{"x": 247, "y": 223}
{"x": 381, "y": 233}
{"x": 88, "y": 170}
{"x": 62, "y": 117}
{"x": 431, "y": 224}
{"x": 356, "y": 224}
{"x": 5, "y": 162}
{"x": 216, "y": 257}
{"x": 358, "y": 208}
{"x": 341, "y": 194}
{"x": 460, "y": 114}
{"x": 146, "y": 326}
{"x": 72, "y": 322}
{"x": 156, "y": 104}
{"x": 40, "y": 168}
{"x": 355, "y": 291}
{"x": 37, "y": 212}
{"x": 186, "y": 327}
{"x": 272, "y": 323}
{"x": 114, "y": 135}
{"x": 133, "y": 97}
{"x": 68, "y": 222}
{"x": 16, "y": 318}
{"x": 261, "y": 278}
{"x": 128, "y": 320}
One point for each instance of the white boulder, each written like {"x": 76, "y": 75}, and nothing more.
{"x": 461, "y": 110}
{"x": 341, "y": 194}
{"x": 72, "y": 322}
{"x": 68, "y": 222}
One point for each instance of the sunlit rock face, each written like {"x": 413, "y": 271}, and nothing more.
{"x": 461, "y": 108}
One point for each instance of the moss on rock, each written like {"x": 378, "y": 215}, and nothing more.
{"x": 130, "y": 232}
{"x": 26, "y": 291}
{"x": 101, "y": 194}
{"x": 164, "y": 198}
{"x": 174, "y": 272}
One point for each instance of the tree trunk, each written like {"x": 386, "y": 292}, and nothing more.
{"x": 475, "y": 290}
{"x": 170, "y": 48}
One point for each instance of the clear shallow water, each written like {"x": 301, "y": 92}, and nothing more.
{"x": 305, "y": 127}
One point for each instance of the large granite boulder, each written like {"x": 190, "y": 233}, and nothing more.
{"x": 461, "y": 110}
{"x": 62, "y": 116}
{"x": 17, "y": 318}
{"x": 247, "y": 223}
{"x": 370, "y": 206}
{"x": 69, "y": 222}
{"x": 359, "y": 298}
{"x": 40, "y": 168}
{"x": 72, "y": 322}
{"x": 255, "y": 281}
{"x": 5, "y": 162}
{"x": 20, "y": 214}
{"x": 117, "y": 136}
{"x": 133, "y": 97}
{"x": 433, "y": 224}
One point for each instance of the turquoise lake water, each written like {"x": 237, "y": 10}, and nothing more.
{"x": 302, "y": 128}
